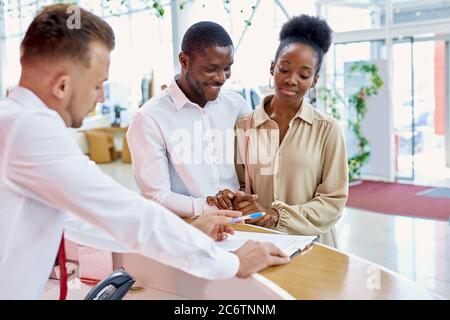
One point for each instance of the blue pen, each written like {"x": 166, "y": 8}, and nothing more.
{"x": 249, "y": 216}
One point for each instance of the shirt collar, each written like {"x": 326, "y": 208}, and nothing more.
{"x": 305, "y": 112}
{"x": 179, "y": 98}
{"x": 26, "y": 97}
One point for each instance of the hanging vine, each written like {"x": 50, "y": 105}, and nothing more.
{"x": 159, "y": 10}
{"x": 330, "y": 99}
{"x": 359, "y": 101}
{"x": 117, "y": 7}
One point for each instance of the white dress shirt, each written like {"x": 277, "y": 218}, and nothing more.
{"x": 44, "y": 175}
{"x": 183, "y": 153}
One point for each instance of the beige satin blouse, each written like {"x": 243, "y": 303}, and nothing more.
{"x": 305, "y": 178}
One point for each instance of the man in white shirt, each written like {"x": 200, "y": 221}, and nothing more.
{"x": 44, "y": 175}
{"x": 182, "y": 140}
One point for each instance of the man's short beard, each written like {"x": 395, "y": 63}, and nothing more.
{"x": 194, "y": 86}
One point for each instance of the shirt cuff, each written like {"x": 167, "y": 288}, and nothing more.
{"x": 207, "y": 208}
{"x": 226, "y": 265}
{"x": 201, "y": 206}
{"x": 283, "y": 216}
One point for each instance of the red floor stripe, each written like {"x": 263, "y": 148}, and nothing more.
{"x": 399, "y": 199}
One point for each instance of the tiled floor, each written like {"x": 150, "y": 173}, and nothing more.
{"x": 417, "y": 248}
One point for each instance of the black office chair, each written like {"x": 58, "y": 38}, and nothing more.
{"x": 113, "y": 287}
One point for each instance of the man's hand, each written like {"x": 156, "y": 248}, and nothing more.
{"x": 229, "y": 200}
{"x": 214, "y": 224}
{"x": 255, "y": 256}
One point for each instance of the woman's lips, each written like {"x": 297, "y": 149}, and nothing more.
{"x": 288, "y": 92}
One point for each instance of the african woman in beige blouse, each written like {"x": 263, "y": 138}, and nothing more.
{"x": 301, "y": 182}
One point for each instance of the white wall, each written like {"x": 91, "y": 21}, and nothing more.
{"x": 377, "y": 126}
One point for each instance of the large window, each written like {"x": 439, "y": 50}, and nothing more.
{"x": 144, "y": 47}
{"x": 352, "y": 15}
{"x": 415, "y": 44}
{"x": 254, "y": 26}
{"x": 258, "y": 43}
{"x": 143, "y": 44}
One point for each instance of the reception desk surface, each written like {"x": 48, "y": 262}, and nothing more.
{"x": 320, "y": 272}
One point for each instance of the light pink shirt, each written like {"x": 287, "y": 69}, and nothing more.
{"x": 183, "y": 153}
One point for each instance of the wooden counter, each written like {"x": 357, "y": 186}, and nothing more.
{"x": 322, "y": 272}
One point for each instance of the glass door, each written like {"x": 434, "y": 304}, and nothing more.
{"x": 419, "y": 97}
{"x": 403, "y": 99}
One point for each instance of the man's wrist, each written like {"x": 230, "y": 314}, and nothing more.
{"x": 207, "y": 208}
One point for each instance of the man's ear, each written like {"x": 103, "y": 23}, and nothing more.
{"x": 183, "y": 58}
{"x": 61, "y": 86}
{"x": 272, "y": 67}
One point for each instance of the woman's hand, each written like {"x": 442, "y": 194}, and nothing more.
{"x": 250, "y": 205}
{"x": 240, "y": 197}
{"x": 247, "y": 206}
{"x": 222, "y": 200}
{"x": 269, "y": 220}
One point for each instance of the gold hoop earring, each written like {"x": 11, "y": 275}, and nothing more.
{"x": 270, "y": 79}
{"x": 312, "y": 99}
